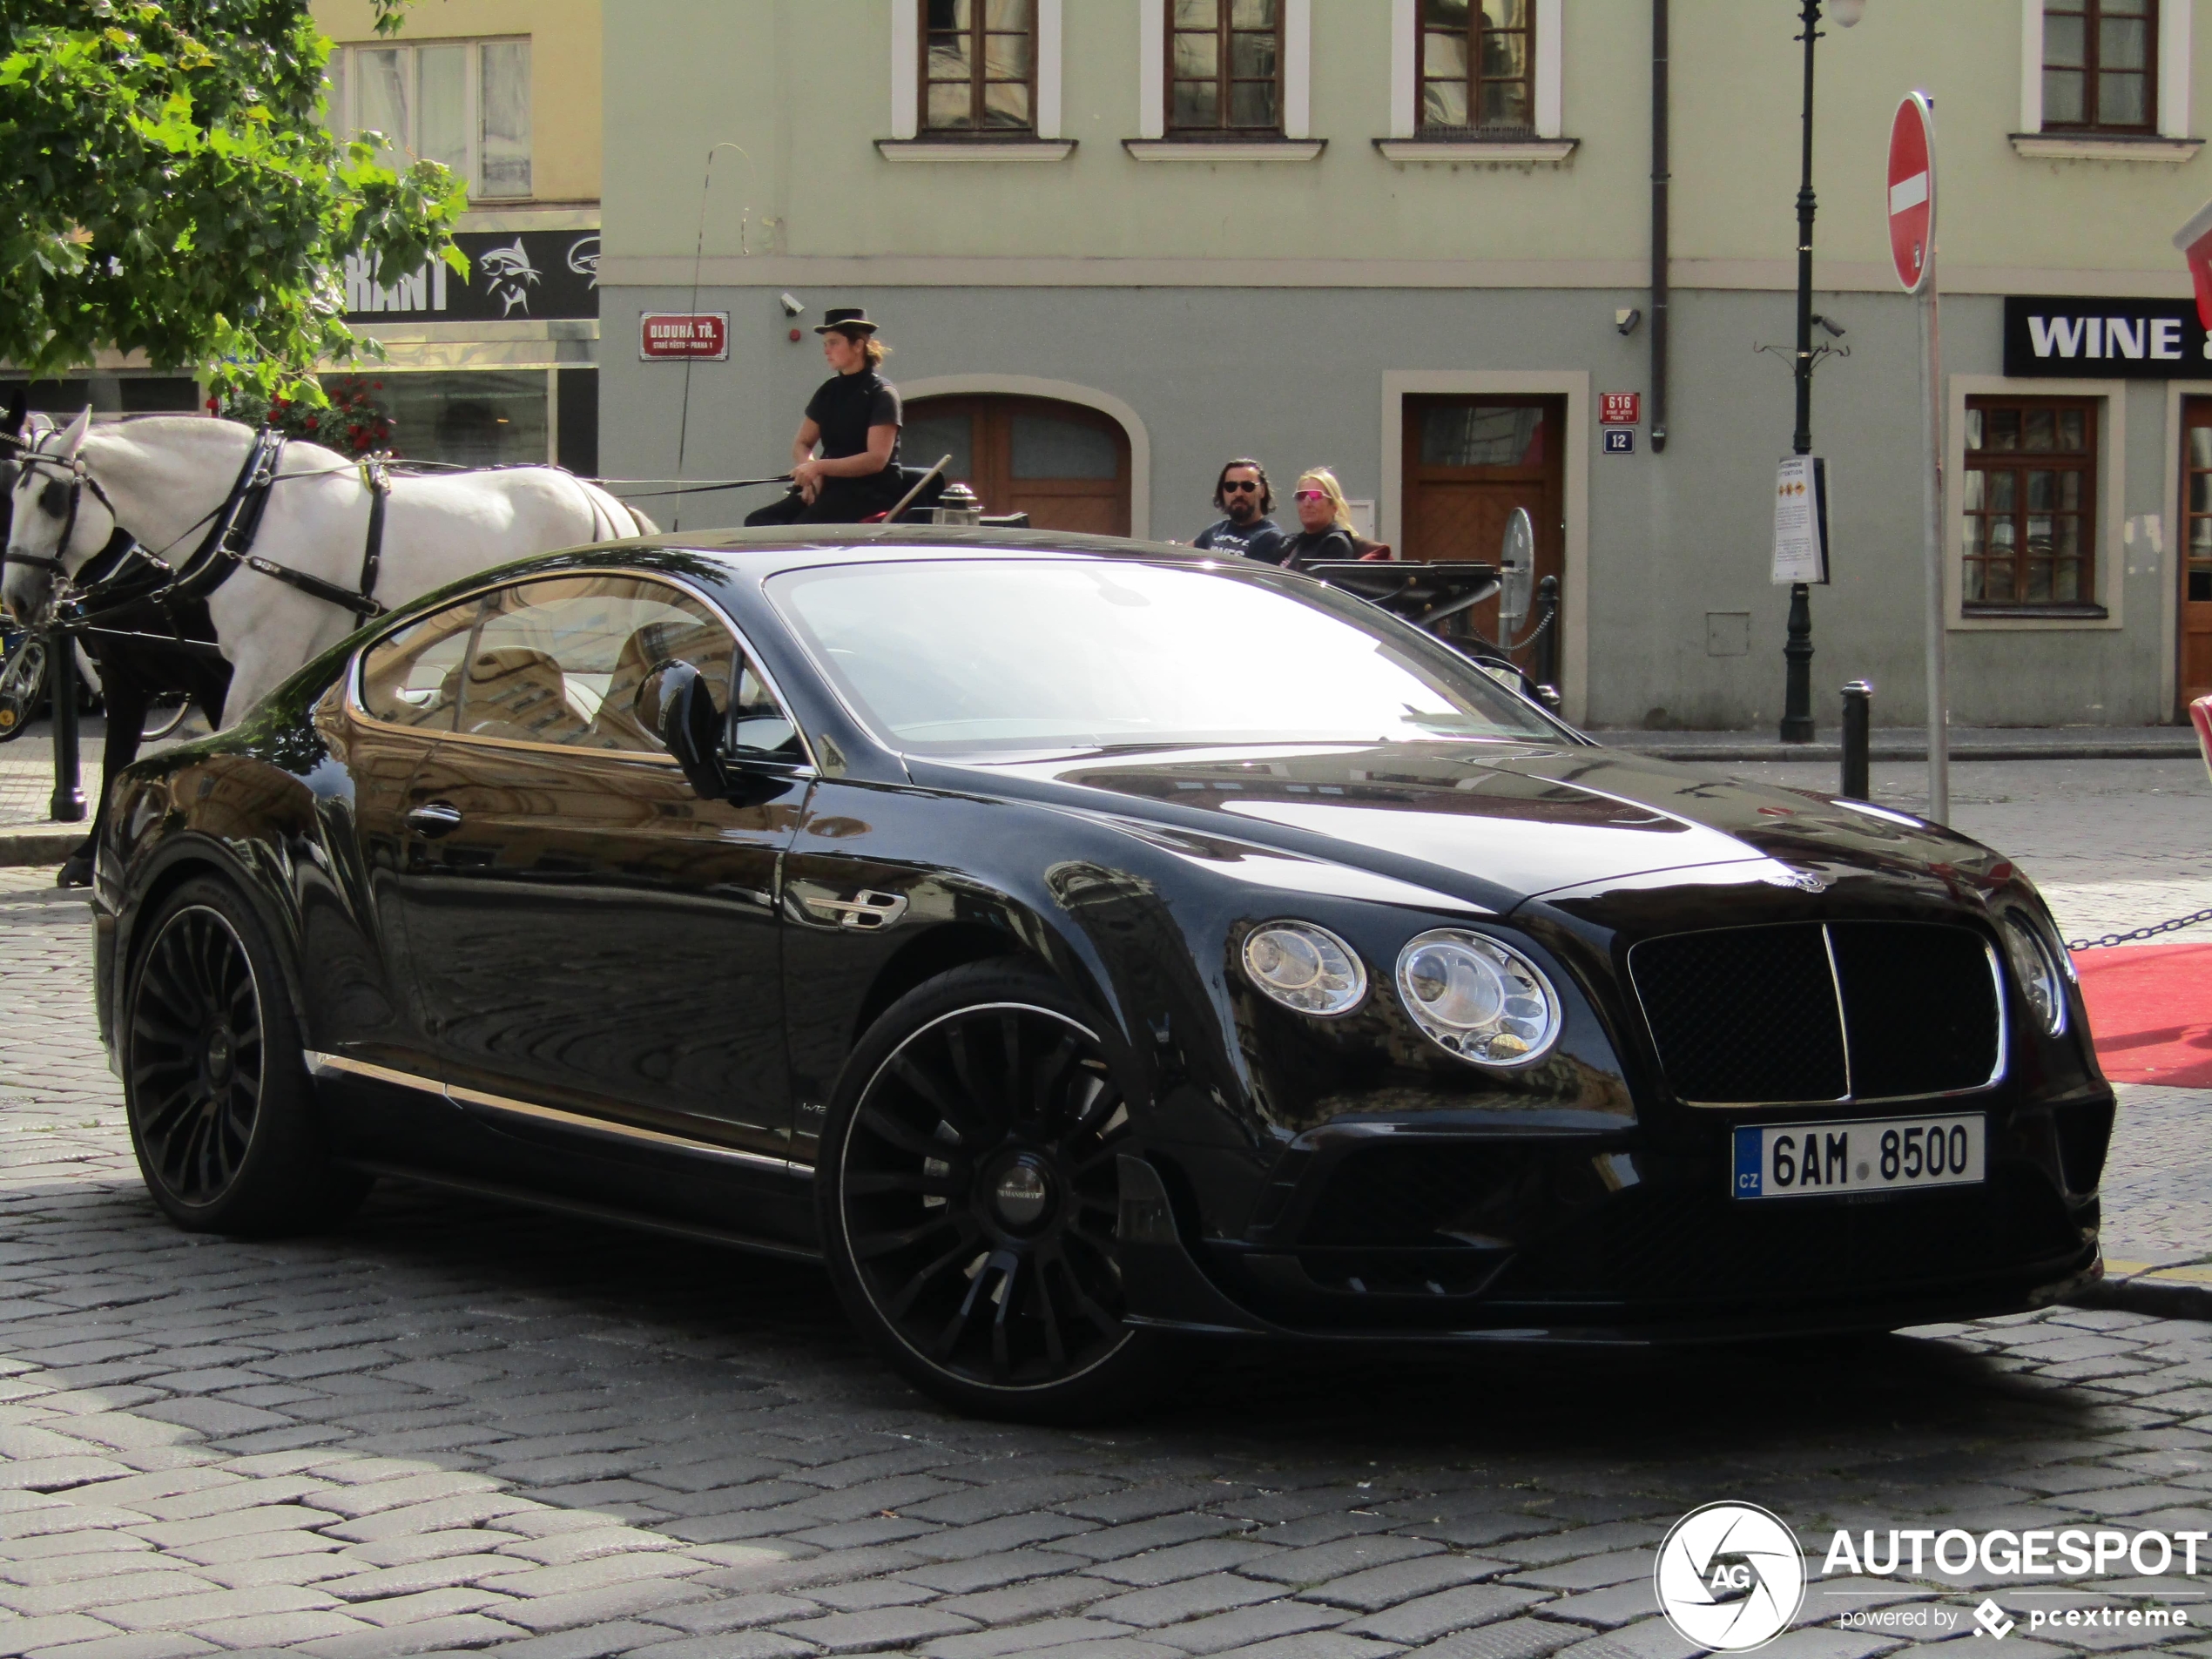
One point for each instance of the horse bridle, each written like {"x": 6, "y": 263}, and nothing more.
{"x": 29, "y": 459}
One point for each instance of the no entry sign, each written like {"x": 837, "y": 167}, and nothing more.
{"x": 1912, "y": 175}
{"x": 683, "y": 334}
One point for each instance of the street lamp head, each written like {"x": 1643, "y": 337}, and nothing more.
{"x": 1848, "y": 12}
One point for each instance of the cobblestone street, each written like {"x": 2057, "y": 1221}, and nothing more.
{"x": 455, "y": 1426}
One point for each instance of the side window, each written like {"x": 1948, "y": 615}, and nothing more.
{"x": 560, "y": 661}
{"x": 413, "y": 677}
{"x": 762, "y": 729}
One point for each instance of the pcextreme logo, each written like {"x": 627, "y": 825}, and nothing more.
{"x": 1729, "y": 1577}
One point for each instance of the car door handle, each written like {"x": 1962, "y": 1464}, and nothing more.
{"x": 434, "y": 819}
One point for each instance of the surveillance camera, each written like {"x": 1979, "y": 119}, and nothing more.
{"x": 1835, "y": 330}
{"x": 1627, "y": 320}
{"x": 792, "y": 305}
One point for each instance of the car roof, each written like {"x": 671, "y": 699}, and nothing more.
{"x": 765, "y": 551}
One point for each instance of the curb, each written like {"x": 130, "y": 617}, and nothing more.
{"x": 2137, "y": 1287}
{"x": 22, "y": 847}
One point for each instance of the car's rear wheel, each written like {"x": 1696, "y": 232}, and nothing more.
{"x": 969, "y": 1195}
{"x": 222, "y": 1115}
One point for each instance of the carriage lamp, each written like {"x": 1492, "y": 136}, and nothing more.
{"x": 1477, "y": 998}
{"x": 1304, "y": 968}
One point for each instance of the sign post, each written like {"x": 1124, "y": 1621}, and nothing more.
{"x": 1913, "y": 253}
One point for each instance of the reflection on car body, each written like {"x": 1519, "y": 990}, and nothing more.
{"x": 1082, "y": 945}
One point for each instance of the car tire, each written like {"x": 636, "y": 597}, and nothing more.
{"x": 967, "y": 1192}
{"x": 222, "y": 1115}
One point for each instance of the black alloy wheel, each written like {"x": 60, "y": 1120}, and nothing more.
{"x": 215, "y": 1086}
{"x": 196, "y": 1055}
{"x": 970, "y": 1194}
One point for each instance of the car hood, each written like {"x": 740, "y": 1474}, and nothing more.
{"x": 1497, "y": 823}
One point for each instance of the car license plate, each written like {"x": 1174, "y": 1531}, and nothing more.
{"x": 1816, "y": 1160}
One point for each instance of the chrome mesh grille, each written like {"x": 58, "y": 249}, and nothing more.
{"x": 1804, "y": 1012}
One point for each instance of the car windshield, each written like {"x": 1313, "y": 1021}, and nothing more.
{"x": 999, "y": 657}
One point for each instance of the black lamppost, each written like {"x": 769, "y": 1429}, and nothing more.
{"x": 1796, "y": 653}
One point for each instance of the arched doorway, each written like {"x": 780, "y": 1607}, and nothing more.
{"x": 1065, "y": 465}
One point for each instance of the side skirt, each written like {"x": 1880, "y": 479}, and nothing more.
{"x": 578, "y": 1207}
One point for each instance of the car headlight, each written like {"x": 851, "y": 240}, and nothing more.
{"x": 1483, "y": 1000}
{"x": 2042, "y": 980}
{"x": 1304, "y": 968}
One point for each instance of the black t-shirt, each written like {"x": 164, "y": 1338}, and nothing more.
{"x": 1257, "y": 540}
{"x": 1314, "y": 547}
{"x": 847, "y": 406}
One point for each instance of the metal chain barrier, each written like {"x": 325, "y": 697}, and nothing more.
{"x": 2151, "y": 932}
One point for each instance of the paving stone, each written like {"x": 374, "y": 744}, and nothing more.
{"x": 1186, "y": 1560}
{"x": 1430, "y": 1616}
{"x": 1324, "y": 1562}
{"x": 1042, "y": 1637}
{"x": 1513, "y": 1639}
{"x": 1381, "y": 1587}
{"x": 462, "y": 1630}
{"x": 731, "y": 1644}
{"x": 1189, "y": 1598}
{"x": 1247, "y": 1625}
{"x": 878, "y": 1626}
{"x": 29, "y": 1635}
{"x": 592, "y": 1642}
{"x": 601, "y": 1604}
{"x": 143, "y": 1644}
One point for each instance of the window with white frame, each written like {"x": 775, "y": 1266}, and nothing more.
{"x": 2106, "y": 70}
{"x": 1476, "y": 70}
{"x": 975, "y": 70}
{"x": 464, "y": 103}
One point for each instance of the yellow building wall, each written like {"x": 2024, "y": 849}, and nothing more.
{"x": 565, "y": 97}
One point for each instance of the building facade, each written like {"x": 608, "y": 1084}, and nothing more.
{"x": 1114, "y": 244}
{"x": 501, "y": 366}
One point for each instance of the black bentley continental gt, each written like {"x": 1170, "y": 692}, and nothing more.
{"x": 1078, "y": 945}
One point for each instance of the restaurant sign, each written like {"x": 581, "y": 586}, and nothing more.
{"x": 514, "y": 276}
{"x": 2091, "y": 338}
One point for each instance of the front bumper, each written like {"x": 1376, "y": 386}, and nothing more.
{"x": 1390, "y": 1231}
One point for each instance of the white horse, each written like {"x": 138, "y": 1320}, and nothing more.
{"x": 166, "y": 477}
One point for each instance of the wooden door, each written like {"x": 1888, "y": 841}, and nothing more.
{"x": 2196, "y": 645}
{"x": 1066, "y": 466}
{"x": 1469, "y": 462}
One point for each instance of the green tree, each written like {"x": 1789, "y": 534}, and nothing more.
{"x": 173, "y": 190}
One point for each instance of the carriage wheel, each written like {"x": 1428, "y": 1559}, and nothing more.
{"x": 165, "y": 714}
{"x": 22, "y": 686}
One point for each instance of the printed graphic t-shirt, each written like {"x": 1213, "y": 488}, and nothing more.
{"x": 1258, "y": 540}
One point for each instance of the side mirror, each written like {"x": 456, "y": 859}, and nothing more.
{"x": 673, "y": 701}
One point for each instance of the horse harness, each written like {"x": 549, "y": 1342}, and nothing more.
{"x": 122, "y": 572}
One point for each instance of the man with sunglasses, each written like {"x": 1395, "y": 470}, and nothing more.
{"x": 1244, "y": 493}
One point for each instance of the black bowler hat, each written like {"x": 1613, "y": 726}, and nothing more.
{"x": 849, "y": 320}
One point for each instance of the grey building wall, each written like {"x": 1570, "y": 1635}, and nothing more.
{"x": 1294, "y": 375}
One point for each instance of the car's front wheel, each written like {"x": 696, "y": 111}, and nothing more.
{"x": 968, "y": 1194}
{"x": 221, "y": 1112}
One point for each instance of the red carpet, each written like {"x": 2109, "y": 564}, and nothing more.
{"x": 2150, "y": 1006}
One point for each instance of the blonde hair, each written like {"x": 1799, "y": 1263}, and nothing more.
{"x": 874, "y": 350}
{"x": 1327, "y": 482}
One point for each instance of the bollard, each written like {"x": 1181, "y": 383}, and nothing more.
{"x": 1858, "y": 711}
{"x": 67, "y": 805}
{"x": 1547, "y": 668}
